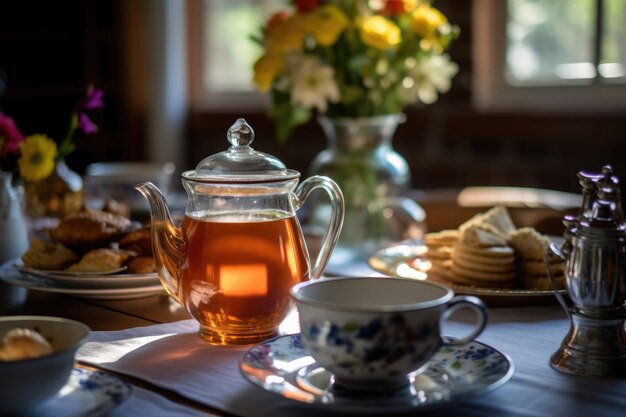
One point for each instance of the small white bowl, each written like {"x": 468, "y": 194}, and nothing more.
{"x": 25, "y": 384}
{"x": 117, "y": 179}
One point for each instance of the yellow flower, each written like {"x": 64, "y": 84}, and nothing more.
{"x": 38, "y": 153}
{"x": 266, "y": 68}
{"x": 425, "y": 21}
{"x": 286, "y": 35}
{"x": 379, "y": 32}
{"x": 325, "y": 24}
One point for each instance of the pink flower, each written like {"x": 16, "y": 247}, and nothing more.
{"x": 10, "y": 137}
{"x": 85, "y": 124}
{"x": 94, "y": 99}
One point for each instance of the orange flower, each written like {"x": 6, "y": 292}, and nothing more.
{"x": 287, "y": 35}
{"x": 397, "y": 7}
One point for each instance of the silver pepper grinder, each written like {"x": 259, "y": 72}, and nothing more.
{"x": 594, "y": 252}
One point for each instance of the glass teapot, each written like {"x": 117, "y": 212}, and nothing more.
{"x": 240, "y": 248}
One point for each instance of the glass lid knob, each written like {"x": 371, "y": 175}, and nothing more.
{"x": 240, "y": 133}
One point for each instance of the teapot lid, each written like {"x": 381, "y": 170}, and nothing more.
{"x": 240, "y": 163}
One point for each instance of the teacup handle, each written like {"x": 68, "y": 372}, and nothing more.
{"x": 473, "y": 303}
{"x": 336, "y": 218}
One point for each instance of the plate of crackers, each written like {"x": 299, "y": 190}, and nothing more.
{"x": 487, "y": 256}
{"x": 92, "y": 253}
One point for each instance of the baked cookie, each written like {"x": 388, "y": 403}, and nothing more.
{"x": 483, "y": 263}
{"x": 541, "y": 282}
{"x": 443, "y": 238}
{"x": 52, "y": 256}
{"x": 439, "y": 252}
{"x": 477, "y": 237}
{"x": 539, "y": 268}
{"x": 489, "y": 252}
{"x": 495, "y": 220}
{"x": 139, "y": 241}
{"x": 473, "y": 282}
{"x": 530, "y": 249}
{"x": 103, "y": 259}
{"x": 141, "y": 265}
{"x": 529, "y": 244}
{"x": 88, "y": 229}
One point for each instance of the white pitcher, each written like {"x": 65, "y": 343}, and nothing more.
{"x": 13, "y": 240}
{"x": 13, "y": 232}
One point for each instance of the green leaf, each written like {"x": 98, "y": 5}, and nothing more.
{"x": 286, "y": 116}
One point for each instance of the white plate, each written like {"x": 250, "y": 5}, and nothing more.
{"x": 11, "y": 275}
{"x": 397, "y": 261}
{"x": 283, "y": 367}
{"x": 92, "y": 280}
{"x": 63, "y": 272}
{"x": 86, "y": 394}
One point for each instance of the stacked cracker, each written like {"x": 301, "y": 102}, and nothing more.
{"x": 440, "y": 246}
{"x": 530, "y": 249}
{"x": 489, "y": 251}
{"x": 482, "y": 256}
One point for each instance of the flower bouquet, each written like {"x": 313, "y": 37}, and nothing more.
{"x": 353, "y": 58}
{"x": 51, "y": 187}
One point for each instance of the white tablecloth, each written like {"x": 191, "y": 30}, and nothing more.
{"x": 173, "y": 357}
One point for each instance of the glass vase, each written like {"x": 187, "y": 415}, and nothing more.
{"x": 58, "y": 195}
{"x": 374, "y": 179}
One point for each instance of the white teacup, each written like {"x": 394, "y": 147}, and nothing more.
{"x": 377, "y": 332}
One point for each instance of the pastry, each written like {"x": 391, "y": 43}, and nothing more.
{"x": 141, "y": 265}
{"x": 46, "y": 255}
{"x": 89, "y": 229}
{"x": 19, "y": 344}
{"x": 139, "y": 241}
{"x": 103, "y": 259}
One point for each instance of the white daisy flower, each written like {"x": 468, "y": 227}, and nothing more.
{"x": 313, "y": 84}
{"x": 428, "y": 78}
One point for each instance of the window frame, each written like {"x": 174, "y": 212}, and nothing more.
{"x": 201, "y": 99}
{"x": 492, "y": 92}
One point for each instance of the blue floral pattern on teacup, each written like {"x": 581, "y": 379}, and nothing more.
{"x": 375, "y": 346}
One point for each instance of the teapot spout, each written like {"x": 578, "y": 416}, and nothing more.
{"x": 168, "y": 242}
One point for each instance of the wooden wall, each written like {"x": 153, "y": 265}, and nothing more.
{"x": 51, "y": 52}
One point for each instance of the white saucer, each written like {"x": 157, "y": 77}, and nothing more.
{"x": 86, "y": 394}
{"x": 282, "y": 366}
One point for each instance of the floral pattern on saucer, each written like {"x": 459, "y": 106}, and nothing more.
{"x": 87, "y": 393}
{"x": 282, "y": 366}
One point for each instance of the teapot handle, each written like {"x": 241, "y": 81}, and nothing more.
{"x": 336, "y": 218}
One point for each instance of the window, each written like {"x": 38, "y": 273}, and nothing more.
{"x": 550, "y": 54}
{"x": 223, "y": 51}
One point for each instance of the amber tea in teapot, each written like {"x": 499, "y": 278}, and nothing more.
{"x": 240, "y": 248}
{"x": 238, "y": 274}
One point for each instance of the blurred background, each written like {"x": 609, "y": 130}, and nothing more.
{"x": 540, "y": 94}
